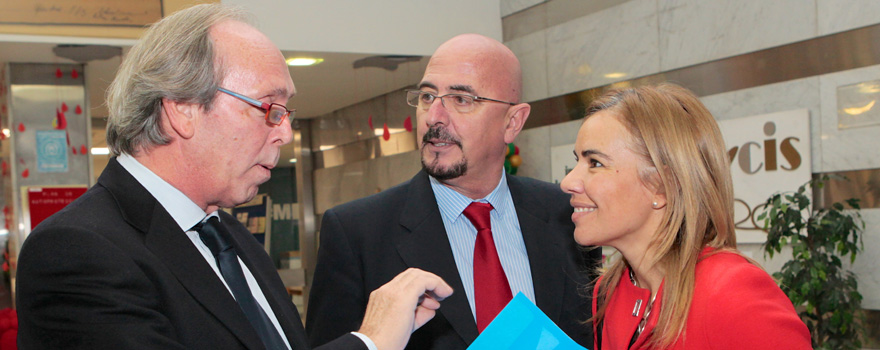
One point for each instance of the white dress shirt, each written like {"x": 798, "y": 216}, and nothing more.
{"x": 506, "y": 233}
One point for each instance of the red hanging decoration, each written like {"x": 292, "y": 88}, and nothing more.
{"x": 58, "y": 73}
{"x": 370, "y": 123}
{"x": 73, "y": 149}
{"x": 386, "y": 134}
{"x": 64, "y": 107}
{"x": 67, "y": 135}
{"x": 83, "y": 150}
{"x": 25, "y": 173}
{"x": 60, "y": 121}
{"x": 78, "y": 110}
{"x": 74, "y": 74}
{"x": 20, "y": 127}
{"x": 407, "y": 124}
{"x": 5, "y": 167}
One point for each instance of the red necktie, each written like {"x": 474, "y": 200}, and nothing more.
{"x": 491, "y": 290}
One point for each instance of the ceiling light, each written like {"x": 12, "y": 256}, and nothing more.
{"x": 293, "y": 160}
{"x": 303, "y": 61}
{"x": 100, "y": 151}
{"x": 615, "y": 75}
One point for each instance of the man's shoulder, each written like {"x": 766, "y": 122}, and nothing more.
{"x": 93, "y": 209}
{"x": 543, "y": 191}
{"x": 384, "y": 200}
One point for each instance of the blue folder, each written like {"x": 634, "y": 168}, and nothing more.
{"x": 522, "y": 325}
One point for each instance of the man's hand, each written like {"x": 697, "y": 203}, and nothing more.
{"x": 401, "y": 306}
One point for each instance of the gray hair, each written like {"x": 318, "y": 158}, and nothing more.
{"x": 174, "y": 59}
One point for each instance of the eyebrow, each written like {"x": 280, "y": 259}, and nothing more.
{"x": 591, "y": 152}
{"x": 280, "y": 93}
{"x": 463, "y": 88}
{"x": 459, "y": 87}
{"x": 426, "y": 84}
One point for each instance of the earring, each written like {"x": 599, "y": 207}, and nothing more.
{"x": 654, "y": 204}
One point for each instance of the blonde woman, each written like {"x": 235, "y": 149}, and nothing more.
{"x": 653, "y": 181}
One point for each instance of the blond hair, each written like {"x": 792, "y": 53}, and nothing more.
{"x": 174, "y": 59}
{"x": 674, "y": 133}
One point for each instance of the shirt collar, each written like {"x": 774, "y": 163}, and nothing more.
{"x": 455, "y": 202}
{"x": 183, "y": 210}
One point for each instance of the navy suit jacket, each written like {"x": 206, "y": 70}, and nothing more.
{"x": 113, "y": 270}
{"x": 366, "y": 242}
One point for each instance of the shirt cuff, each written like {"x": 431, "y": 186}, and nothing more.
{"x": 366, "y": 340}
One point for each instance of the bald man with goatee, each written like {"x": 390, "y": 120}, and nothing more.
{"x": 488, "y": 234}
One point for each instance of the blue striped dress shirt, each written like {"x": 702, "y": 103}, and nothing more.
{"x": 505, "y": 231}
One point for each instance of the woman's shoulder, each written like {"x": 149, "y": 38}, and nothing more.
{"x": 724, "y": 267}
{"x": 744, "y": 305}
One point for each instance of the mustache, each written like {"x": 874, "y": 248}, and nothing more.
{"x": 439, "y": 134}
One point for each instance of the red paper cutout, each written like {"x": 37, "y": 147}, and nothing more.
{"x": 58, "y": 73}
{"x": 407, "y": 124}
{"x": 64, "y": 107}
{"x": 78, "y": 110}
{"x": 73, "y": 149}
{"x": 25, "y": 173}
{"x": 83, "y": 150}
{"x": 21, "y": 127}
{"x": 67, "y": 135}
{"x": 60, "y": 121}
{"x": 5, "y": 167}
{"x": 370, "y": 122}
{"x": 74, "y": 74}
{"x": 386, "y": 134}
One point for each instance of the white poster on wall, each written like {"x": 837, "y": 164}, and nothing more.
{"x": 769, "y": 153}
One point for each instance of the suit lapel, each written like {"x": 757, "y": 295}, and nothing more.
{"x": 545, "y": 254}
{"x": 171, "y": 245}
{"x": 427, "y": 247}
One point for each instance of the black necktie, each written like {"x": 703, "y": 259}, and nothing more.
{"x": 217, "y": 238}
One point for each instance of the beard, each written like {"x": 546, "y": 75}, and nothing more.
{"x": 434, "y": 168}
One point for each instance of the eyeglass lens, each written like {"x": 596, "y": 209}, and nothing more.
{"x": 276, "y": 114}
{"x": 424, "y": 100}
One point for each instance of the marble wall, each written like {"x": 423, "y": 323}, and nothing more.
{"x": 642, "y": 37}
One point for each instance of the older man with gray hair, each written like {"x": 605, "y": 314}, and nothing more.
{"x": 144, "y": 259}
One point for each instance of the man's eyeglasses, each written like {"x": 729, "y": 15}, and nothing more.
{"x": 275, "y": 113}
{"x": 462, "y": 103}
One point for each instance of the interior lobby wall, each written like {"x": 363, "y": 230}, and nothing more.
{"x": 642, "y": 37}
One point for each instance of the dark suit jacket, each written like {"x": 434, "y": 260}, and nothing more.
{"x": 114, "y": 271}
{"x": 365, "y": 243}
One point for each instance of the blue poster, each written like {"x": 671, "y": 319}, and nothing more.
{"x": 51, "y": 151}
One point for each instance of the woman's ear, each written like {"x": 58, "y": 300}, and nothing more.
{"x": 655, "y": 183}
{"x": 181, "y": 117}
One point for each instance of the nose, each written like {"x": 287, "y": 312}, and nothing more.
{"x": 572, "y": 183}
{"x": 283, "y": 133}
{"x": 436, "y": 113}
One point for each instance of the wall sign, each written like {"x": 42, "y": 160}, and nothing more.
{"x": 78, "y": 12}
{"x": 40, "y": 202}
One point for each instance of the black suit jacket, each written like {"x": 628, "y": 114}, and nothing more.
{"x": 366, "y": 242}
{"x": 113, "y": 270}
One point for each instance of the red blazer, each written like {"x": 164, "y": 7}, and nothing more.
{"x": 736, "y": 305}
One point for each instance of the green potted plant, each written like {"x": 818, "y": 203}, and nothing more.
{"x": 824, "y": 292}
